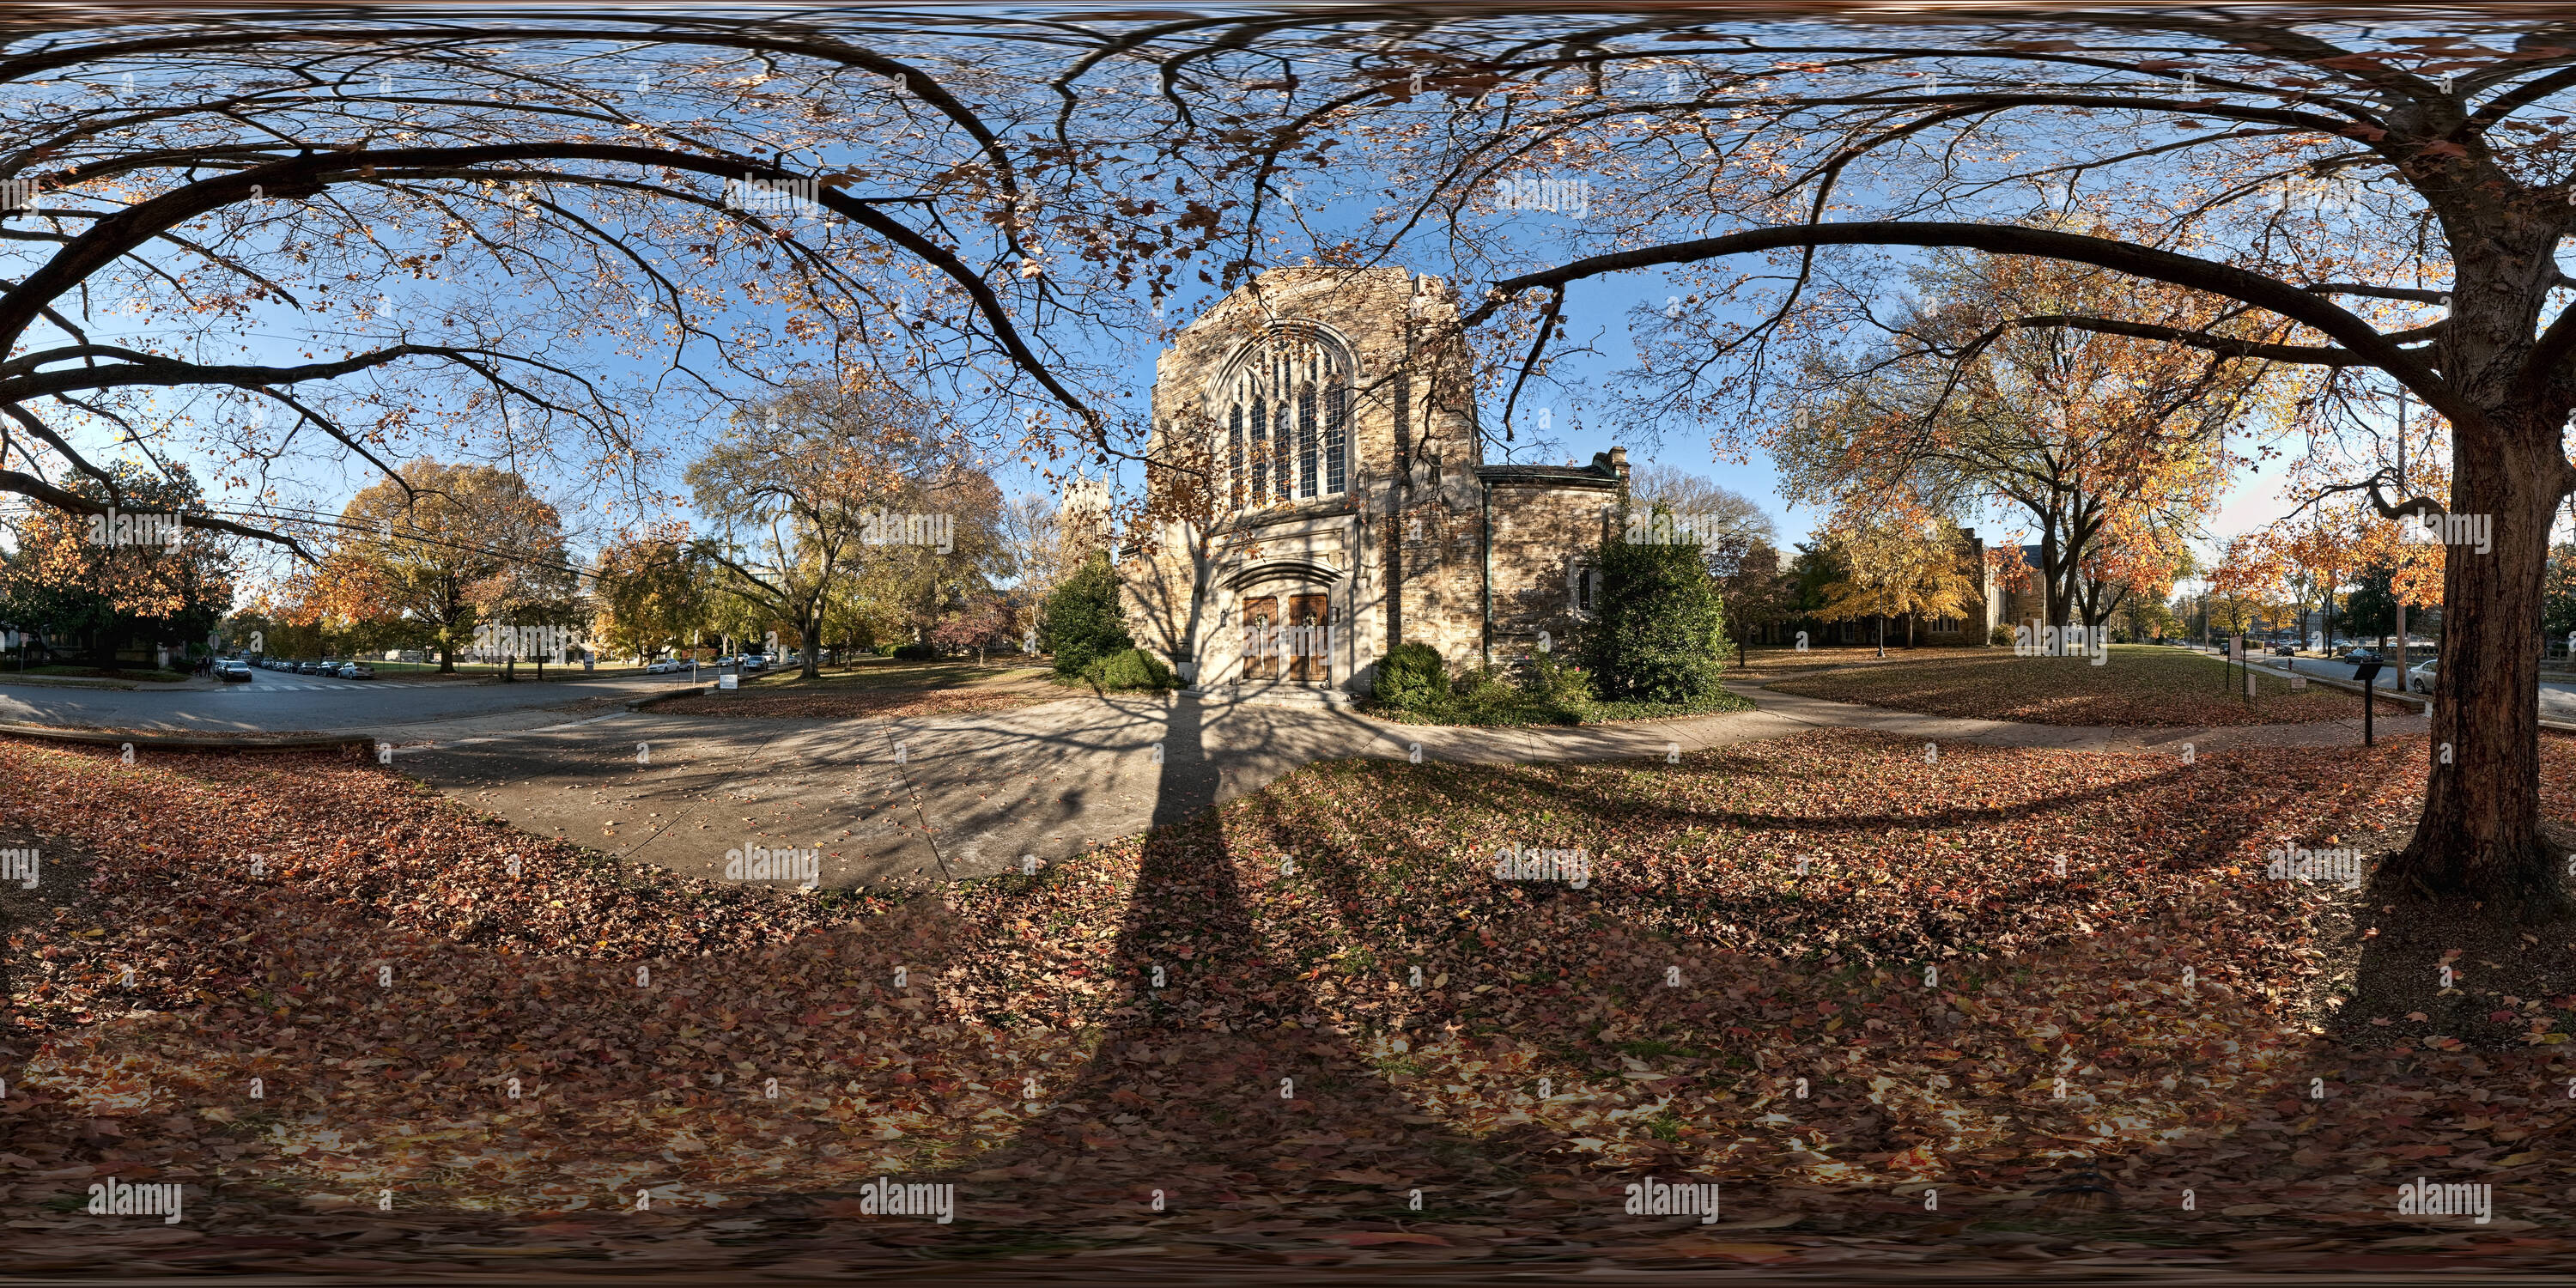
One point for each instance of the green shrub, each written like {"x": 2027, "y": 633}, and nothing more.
{"x": 1661, "y": 633}
{"x": 1132, "y": 668}
{"x": 2001, "y": 634}
{"x": 1411, "y": 677}
{"x": 1084, "y": 619}
{"x": 914, "y": 653}
{"x": 1550, "y": 681}
{"x": 1481, "y": 694}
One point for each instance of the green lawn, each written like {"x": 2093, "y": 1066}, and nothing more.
{"x": 2136, "y": 685}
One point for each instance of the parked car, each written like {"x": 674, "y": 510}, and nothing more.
{"x": 666, "y": 665}
{"x": 2286, "y": 650}
{"x": 357, "y": 671}
{"x": 2356, "y": 656}
{"x": 2420, "y": 679}
{"x": 232, "y": 671}
{"x": 754, "y": 662}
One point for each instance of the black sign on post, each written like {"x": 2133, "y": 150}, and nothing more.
{"x": 2366, "y": 672}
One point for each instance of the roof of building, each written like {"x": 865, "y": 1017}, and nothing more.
{"x": 1600, "y": 473}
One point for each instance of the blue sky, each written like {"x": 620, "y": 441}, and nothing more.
{"x": 1598, "y": 310}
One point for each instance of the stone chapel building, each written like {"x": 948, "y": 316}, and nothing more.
{"x": 1332, "y": 412}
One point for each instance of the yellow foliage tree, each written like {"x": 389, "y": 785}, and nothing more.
{"x": 1903, "y": 566}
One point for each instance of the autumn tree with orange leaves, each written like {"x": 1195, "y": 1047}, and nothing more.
{"x": 446, "y": 547}
{"x": 2109, "y": 446}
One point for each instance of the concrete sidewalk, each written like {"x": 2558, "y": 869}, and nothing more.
{"x": 915, "y": 801}
{"x": 907, "y": 801}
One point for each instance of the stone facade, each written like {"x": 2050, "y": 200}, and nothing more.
{"x": 1331, "y": 414}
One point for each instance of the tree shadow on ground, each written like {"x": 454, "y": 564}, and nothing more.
{"x": 1217, "y": 1088}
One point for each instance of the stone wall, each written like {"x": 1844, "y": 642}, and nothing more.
{"x": 1543, "y": 535}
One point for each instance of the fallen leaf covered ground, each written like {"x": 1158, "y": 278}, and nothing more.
{"x": 2136, "y": 686}
{"x": 1223, "y": 1018}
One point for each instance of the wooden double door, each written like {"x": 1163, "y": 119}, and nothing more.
{"x": 1306, "y": 637}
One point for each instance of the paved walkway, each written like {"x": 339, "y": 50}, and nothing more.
{"x": 909, "y": 801}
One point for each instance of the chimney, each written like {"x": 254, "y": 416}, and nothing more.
{"x": 1619, "y": 462}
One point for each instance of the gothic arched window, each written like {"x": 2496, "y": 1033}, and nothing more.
{"x": 1234, "y": 455}
{"x": 1260, "y": 452}
{"x": 1294, "y": 387}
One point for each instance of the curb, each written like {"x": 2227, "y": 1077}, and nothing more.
{"x": 113, "y": 686}
{"x": 185, "y": 742}
{"x": 693, "y": 691}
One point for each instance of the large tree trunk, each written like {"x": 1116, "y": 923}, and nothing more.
{"x": 2478, "y": 869}
{"x": 812, "y": 635}
{"x": 2052, "y": 580}
{"x": 2479, "y": 835}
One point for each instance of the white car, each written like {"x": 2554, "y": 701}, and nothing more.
{"x": 356, "y": 671}
{"x": 2420, "y": 679}
{"x": 666, "y": 665}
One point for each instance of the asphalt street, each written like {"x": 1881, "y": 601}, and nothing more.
{"x": 275, "y": 702}
{"x": 2557, "y": 697}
